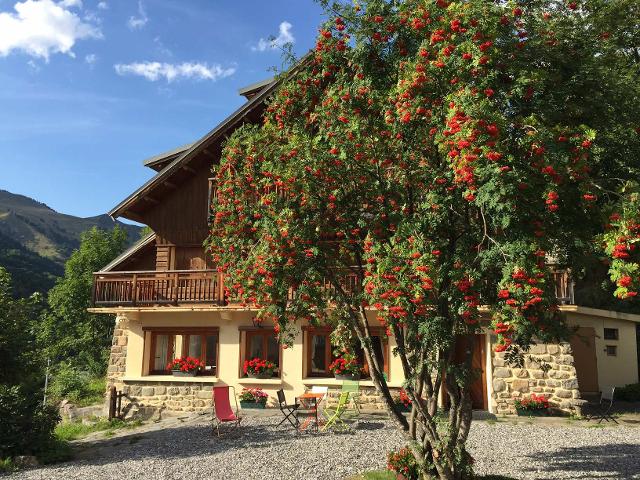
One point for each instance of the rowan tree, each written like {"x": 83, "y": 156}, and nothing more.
{"x": 417, "y": 170}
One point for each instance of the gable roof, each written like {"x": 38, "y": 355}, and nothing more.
{"x": 183, "y": 159}
{"x": 162, "y": 158}
{"x": 140, "y": 245}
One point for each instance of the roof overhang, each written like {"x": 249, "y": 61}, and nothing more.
{"x": 181, "y": 162}
{"x": 157, "y": 162}
{"x": 137, "y": 247}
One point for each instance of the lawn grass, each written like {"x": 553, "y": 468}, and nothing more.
{"x": 387, "y": 475}
{"x": 67, "y": 431}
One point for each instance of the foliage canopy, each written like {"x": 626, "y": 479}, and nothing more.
{"x": 425, "y": 159}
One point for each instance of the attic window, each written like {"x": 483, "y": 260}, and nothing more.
{"x": 612, "y": 350}
{"x": 611, "y": 334}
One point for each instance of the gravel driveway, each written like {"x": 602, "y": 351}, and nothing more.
{"x": 262, "y": 452}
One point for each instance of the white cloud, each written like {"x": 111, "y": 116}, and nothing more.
{"x": 40, "y": 28}
{"x": 285, "y": 36}
{"x": 71, "y": 3}
{"x": 91, "y": 59}
{"x": 154, "y": 71}
{"x": 103, "y": 6}
{"x": 139, "y": 21}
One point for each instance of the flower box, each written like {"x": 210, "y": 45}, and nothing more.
{"x": 248, "y": 404}
{"x": 401, "y": 407}
{"x": 347, "y": 376}
{"x": 523, "y": 412}
{"x": 533, "y": 406}
{"x": 185, "y": 366}
{"x": 253, "y": 398}
{"x": 259, "y": 368}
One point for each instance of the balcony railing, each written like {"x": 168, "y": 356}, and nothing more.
{"x": 158, "y": 288}
{"x": 177, "y": 287}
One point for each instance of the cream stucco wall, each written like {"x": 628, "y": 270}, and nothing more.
{"x": 230, "y": 325}
{"x": 613, "y": 371}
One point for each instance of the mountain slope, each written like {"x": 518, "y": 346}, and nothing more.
{"x": 30, "y": 271}
{"x": 35, "y": 240}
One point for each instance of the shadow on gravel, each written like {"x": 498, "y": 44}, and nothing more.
{"x": 602, "y": 461}
{"x": 187, "y": 441}
{"x": 369, "y": 425}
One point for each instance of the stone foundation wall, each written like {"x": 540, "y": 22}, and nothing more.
{"x": 143, "y": 399}
{"x": 367, "y": 400}
{"x": 559, "y": 384}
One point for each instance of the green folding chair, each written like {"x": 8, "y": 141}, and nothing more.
{"x": 334, "y": 415}
{"x": 353, "y": 388}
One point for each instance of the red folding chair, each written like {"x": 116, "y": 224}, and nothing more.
{"x": 222, "y": 411}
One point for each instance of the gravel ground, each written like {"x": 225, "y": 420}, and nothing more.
{"x": 262, "y": 452}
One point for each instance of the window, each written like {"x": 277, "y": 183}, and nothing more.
{"x": 611, "y": 334}
{"x": 320, "y": 352}
{"x": 612, "y": 350}
{"x": 162, "y": 348}
{"x": 167, "y": 344}
{"x": 380, "y": 346}
{"x": 262, "y": 344}
{"x": 203, "y": 346}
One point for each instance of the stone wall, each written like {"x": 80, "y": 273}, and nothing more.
{"x": 143, "y": 399}
{"x": 118, "y": 355}
{"x": 559, "y": 384}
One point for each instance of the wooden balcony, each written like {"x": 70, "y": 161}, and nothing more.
{"x": 174, "y": 287}
{"x": 184, "y": 287}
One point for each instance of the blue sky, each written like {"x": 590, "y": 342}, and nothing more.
{"x": 88, "y": 89}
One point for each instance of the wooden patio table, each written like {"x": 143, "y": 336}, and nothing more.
{"x": 309, "y": 403}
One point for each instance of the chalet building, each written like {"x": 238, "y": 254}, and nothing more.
{"x": 169, "y": 302}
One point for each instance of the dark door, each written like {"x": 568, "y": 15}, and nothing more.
{"x": 478, "y": 362}
{"x": 583, "y": 346}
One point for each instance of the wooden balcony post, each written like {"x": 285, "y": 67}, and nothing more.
{"x": 175, "y": 288}
{"x": 93, "y": 291}
{"x": 134, "y": 296}
{"x": 221, "y": 288}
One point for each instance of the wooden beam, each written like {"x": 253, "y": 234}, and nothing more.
{"x": 209, "y": 153}
{"x": 151, "y": 200}
{"x": 171, "y": 185}
{"x": 189, "y": 169}
{"x": 132, "y": 215}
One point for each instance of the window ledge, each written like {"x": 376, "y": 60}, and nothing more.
{"x": 171, "y": 378}
{"x": 260, "y": 381}
{"x": 332, "y": 382}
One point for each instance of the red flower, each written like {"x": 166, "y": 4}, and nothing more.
{"x": 625, "y": 281}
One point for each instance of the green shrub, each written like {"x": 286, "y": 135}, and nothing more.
{"x": 629, "y": 393}
{"x": 27, "y": 425}
{"x": 78, "y": 386}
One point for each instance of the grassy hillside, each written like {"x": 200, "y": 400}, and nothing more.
{"x": 30, "y": 271}
{"x": 35, "y": 240}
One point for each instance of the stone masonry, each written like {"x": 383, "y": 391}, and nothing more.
{"x": 559, "y": 384}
